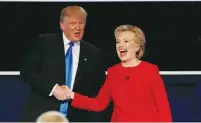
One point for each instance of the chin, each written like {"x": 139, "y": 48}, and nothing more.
{"x": 77, "y": 39}
{"x": 123, "y": 59}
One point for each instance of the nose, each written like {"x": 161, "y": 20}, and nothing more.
{"x": 77, "y": 26}
{"x": 121, "y": 44}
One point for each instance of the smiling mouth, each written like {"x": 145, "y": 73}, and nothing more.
{"x": 123, "y": 52}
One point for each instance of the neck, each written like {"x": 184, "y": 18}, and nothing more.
{"x": 66, "y": 36}
{"x": 131, "y": 63}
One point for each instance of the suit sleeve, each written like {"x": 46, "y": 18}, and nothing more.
{"x": 99, "y": 75}
{"x": 97, "y": 104}
{"x": 31, "y": 70}
{"x": 160, "y": 97}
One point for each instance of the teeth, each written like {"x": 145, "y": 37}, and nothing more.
{"x": 123, "y": 50}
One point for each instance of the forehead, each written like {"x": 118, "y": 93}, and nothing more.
{"x": 75, "y": 18}
{"x": 125, "y": 35}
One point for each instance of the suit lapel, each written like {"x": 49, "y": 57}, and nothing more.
{"x": 82, "y": 62}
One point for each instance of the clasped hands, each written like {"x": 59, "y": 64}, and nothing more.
{"x": 63, "y": 93}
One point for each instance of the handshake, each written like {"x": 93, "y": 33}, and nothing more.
{"x": 63, "y": 93}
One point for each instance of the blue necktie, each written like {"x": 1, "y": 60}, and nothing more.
{"x": 69, "y": 65}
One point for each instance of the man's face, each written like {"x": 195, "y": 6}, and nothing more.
{"x": 73, "y": 27}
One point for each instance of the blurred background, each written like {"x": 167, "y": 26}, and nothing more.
{"x": 172, "y": 29}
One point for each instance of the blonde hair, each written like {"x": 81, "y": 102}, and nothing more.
{"x": 72, "y": 10}
{"x": 138, "y": 37}
{"x": 52, "y": 116}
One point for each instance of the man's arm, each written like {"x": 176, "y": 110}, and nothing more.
{"x": 32, "y": 74}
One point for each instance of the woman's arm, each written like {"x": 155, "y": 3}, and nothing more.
{"x": 93, "y": 104}
{"x": 160, "y": 97}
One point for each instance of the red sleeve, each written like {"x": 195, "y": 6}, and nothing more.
{"x": 160, "y": 97}
{"x": 94, "y": 104}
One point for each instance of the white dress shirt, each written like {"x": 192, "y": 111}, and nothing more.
{"x": 76, "y": 53}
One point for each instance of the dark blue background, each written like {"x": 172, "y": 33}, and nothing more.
{"x": 184, "y": 93}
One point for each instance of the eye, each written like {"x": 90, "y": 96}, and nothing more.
{"x": 81, "y": 22}
{"x": 117, "y": 42}
{"x": 126, "y": 41}
{"x": 73, "y": 23}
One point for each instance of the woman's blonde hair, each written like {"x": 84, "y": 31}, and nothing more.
{"x": 51, "y": 116}
{"x": 138, "y": 37}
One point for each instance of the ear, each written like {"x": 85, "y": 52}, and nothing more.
{"x": 62, "y": 26}
{"x": 137, "y": 48}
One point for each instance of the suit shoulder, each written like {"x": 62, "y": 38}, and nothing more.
{"x": 47, "y": 35}
{"x": 48, "y": 38}
{"x": 91, "y": 47}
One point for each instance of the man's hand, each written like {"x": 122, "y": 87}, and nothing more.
{"x": 61, "y": 93}
{"x": 70, "y": 92}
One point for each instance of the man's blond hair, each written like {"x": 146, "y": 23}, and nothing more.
{"x": 72, "y": 10}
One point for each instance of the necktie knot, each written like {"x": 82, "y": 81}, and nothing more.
{"x": 71, "y": 44}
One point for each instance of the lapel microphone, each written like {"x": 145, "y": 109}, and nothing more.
{"x": 82, "y": 61}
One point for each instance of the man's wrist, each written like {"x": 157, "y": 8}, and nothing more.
{"x": 52, "y": 92}
{"x": 72, "y": 95}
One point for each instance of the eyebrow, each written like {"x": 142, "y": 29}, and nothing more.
{"x": 124, "y": 39}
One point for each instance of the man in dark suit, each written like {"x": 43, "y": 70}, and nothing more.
{"x": 45, "y": 70}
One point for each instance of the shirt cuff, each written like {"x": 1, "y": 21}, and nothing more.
{"x": 51, "y": 93}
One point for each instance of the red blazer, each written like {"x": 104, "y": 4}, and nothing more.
{"x": 138, "y": 94}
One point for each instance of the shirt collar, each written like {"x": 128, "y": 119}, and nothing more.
{"x": 66, "y": 41}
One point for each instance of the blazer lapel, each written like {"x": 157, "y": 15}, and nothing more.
{"x": 82, "y": 62}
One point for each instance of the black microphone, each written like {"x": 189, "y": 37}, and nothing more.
{"x": 127, "y": 78}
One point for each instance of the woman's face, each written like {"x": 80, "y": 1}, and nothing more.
{"x": 126, "y": 47}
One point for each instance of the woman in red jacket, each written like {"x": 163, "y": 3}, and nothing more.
{"x": 135, "y": 86}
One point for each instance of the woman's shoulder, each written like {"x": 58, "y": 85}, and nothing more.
{"x": 115, "y": 67}
{"x": 150, "y": 66}
{"x": 144, "y": 65}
